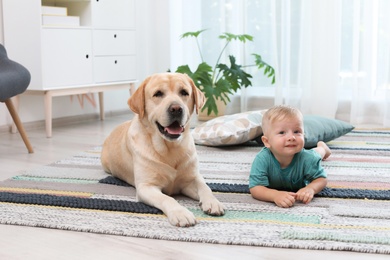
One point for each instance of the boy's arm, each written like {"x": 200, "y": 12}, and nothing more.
{"x": 282, "y": 199}
{"x": 307, "y": 193}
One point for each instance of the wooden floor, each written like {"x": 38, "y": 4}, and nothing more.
{"x": 18, "y": 242}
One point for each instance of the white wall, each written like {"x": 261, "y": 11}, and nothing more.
{"x": 153, "y": 55}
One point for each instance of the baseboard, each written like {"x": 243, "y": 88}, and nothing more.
{"x": 58, "y": 122}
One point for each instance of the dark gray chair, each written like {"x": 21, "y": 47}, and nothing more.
{"x": 14, "y": 80}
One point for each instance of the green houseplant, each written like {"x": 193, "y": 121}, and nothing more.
{"x": 222, "y": 80}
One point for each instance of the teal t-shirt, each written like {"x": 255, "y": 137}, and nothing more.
{"x": 303, "y": 169}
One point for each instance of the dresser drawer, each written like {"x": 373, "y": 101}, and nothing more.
{"x": 114, "y": 68}
{"x": 113, "y": 42}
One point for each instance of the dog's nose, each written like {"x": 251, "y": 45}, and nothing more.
{"x": 175, "y": 110}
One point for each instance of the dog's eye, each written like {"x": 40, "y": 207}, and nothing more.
{"x": 184, "y": 92}
{"x": 158, "y": 94}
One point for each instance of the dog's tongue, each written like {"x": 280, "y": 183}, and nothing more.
{"x": 174, "y": 129}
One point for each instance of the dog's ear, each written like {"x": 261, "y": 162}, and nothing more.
{"x": 198, "y": 96}
{"x": 137, "y": 101}
{"x": 200, "y": 99}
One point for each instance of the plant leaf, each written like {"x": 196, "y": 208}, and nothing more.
{"x": 241, "y": 37}
{"x": 219, "y": 91}
{"x": 236, "y": 77}
{"x": 268, "y": 70}
{"x": 192, "y": 34}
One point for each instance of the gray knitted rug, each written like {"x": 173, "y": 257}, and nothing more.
{"x": 352, "y": 213}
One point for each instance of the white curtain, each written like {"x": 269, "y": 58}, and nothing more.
{"x": 332, "y": 57}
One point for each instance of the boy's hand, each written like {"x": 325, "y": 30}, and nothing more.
{"x": 305, "y": 195}
{"x": 285, "y": 199}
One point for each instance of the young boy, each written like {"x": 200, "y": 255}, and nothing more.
{"x": 283, "y": 171}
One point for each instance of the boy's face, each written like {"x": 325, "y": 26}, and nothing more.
{"x": 285, "y": 137}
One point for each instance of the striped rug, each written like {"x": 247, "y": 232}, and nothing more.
{"x": 351, "y": 214}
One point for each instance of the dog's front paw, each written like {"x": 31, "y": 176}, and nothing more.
{"x": 181, "y": 217}
{"x": 212, "y": 207}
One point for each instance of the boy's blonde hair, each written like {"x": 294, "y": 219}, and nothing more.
{"x": 278, "y": 113}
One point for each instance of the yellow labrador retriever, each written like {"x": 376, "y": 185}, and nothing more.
{"x": 155, "y": 151}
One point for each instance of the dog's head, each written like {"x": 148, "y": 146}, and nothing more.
{"x": 166, "y": 101}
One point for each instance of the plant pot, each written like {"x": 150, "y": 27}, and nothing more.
{"x": 202, "y": 116}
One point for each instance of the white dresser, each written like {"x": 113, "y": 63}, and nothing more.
{"x": 94, "y": 55}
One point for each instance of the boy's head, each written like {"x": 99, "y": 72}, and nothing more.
{"x": 278, "y": 114}
{"x": 283, "y": 131}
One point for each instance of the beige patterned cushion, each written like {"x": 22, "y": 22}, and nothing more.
{"x": 242, "y": 127}
{"x": 229, "y": 130}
